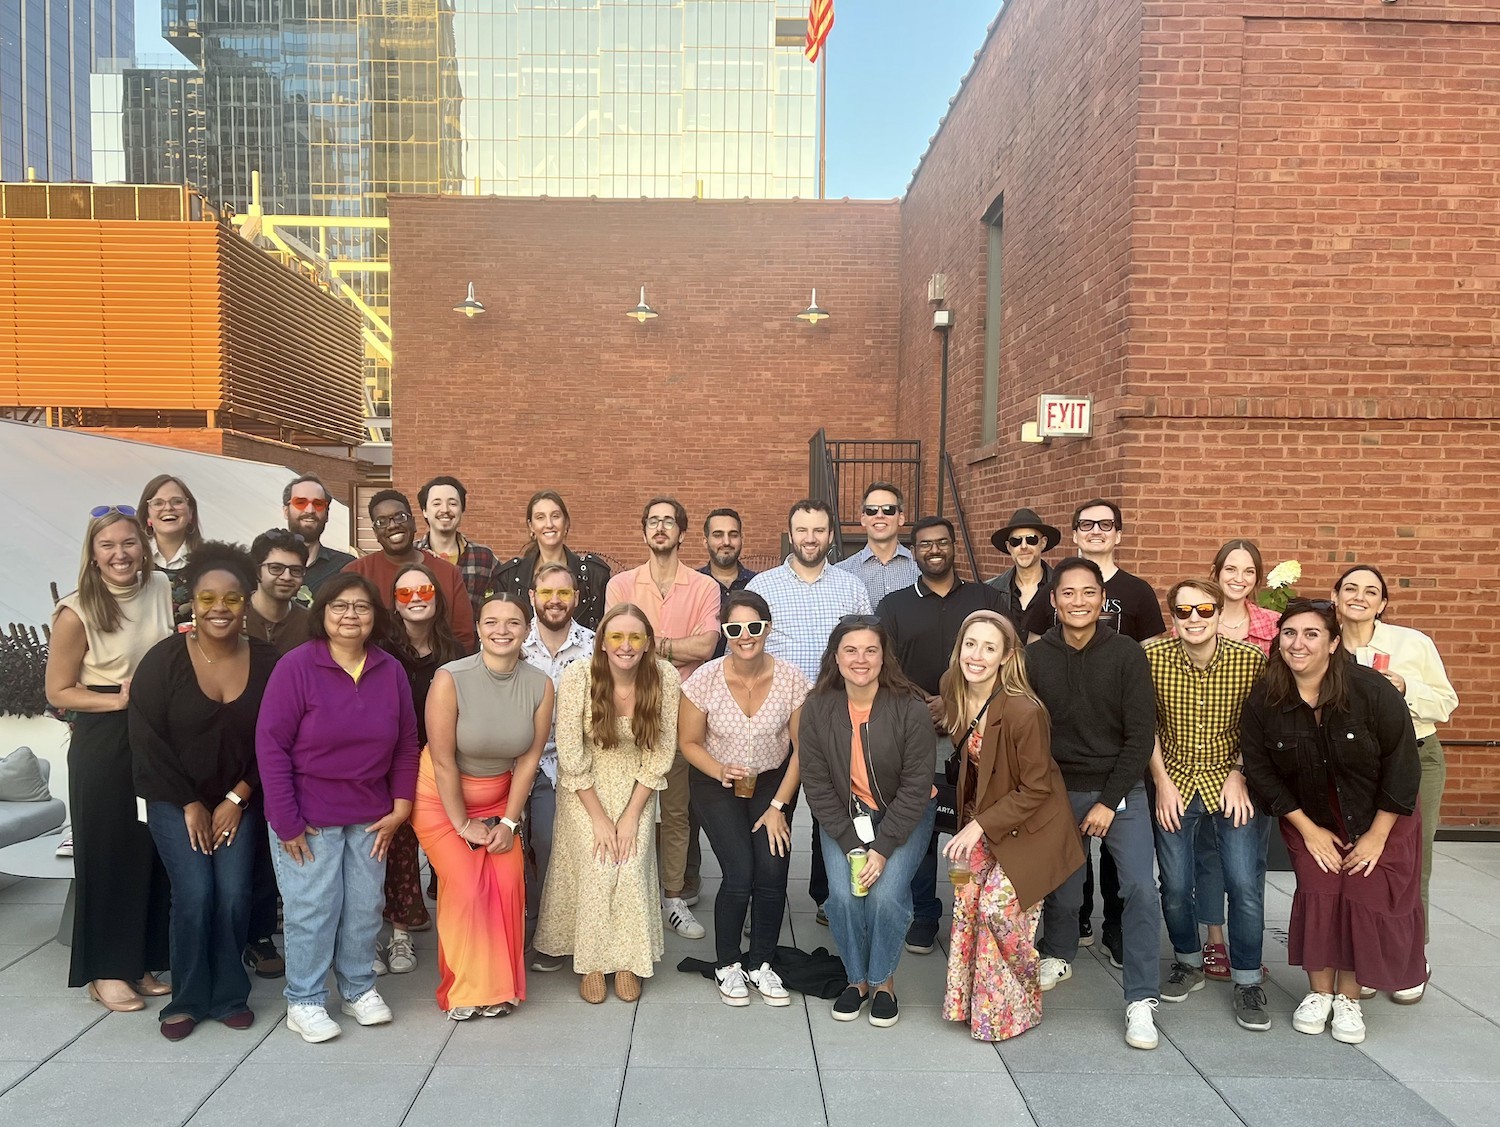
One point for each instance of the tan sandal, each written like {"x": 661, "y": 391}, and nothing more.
{"x": 591, "y": 989}
{"x": 627, "y": 986}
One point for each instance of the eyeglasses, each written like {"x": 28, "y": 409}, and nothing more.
{"x": 1184, "y": 611}
{"x": 1032, "y": 540}
{"x": 1105, "y": 525}
{"x": 207, "y": 600}
{"x": 296, "y": 571}
{"x": 302, "y": 504}
{"x": 636, "y": 639}
{"x": 395, "y": 520}
{"x": 547, "y": 594}
{"x": 157, "y": 504}
{"x": 342, "y": 607}
{"x": 102, "y": 510}
{"x": 929, "y": 545}
{"x": 882, "y": 510}
{"x": 661, "y": 522}
{"x": 733, "y": 630}
{"x": 862, "y": 621}
{"x": 423, "y": 591}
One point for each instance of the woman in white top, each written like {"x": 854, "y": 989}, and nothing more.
{"x": 169, "y": 513}
{"x": 738, "y": 724}
{"x": 1410, "y": 662}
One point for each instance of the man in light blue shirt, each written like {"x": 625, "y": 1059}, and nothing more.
{"x": 886, "y": 564}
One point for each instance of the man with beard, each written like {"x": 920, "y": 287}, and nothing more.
{"x": 1024, "y": 540}
{"x": 923, "y": 621}
{"x": 443, "y": 502}
{"x": 304, "y": 503}
{"x": 554, "y": 642}
{"x": 683, "y": 607}
{"x": 807, "y": 598}
{"x": 722, "y": 535}
{"x": 280, "y": 559}
{"x": 390, "y": 516}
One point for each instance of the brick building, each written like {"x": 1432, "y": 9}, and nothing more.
{"x": 1260, "y": 235}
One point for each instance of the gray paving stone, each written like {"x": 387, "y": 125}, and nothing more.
{"x": 540, "y": 1035}
{"x": 43, "y": 973}
{"x": 11, "y": 952}
{"x": 500, "y": 1092}
{"x": 920, "y": 1042}
{"x": 11, "y": 1071}
{"x": 1086, "y": 1041}
{"x": 1216, "y": 1046}
{"x": 1330, "y": 1103}
{"x": 35, "y": 1028}
{"x": 1465, "y": 1105}
{"x": 22, "y": 891}
{"x": 124, "y": 1038}
{"x": 414, "y": 1037}
{"x": 675, "y": 1097}
{"x": 277, "y": 1094}
{"x": 97, "y": 1092}
{"x": 29, "y": 923}
{"x": 1132, "y": 1101}
{"x": 1091, "y": 987}
{"x": 887, "y": 1099}
{"x": 1479, "y": 993}
{"x": 1436, "y": 1040}
{"x": 720, "y": 1037}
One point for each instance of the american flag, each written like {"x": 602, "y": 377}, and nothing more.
{"x": 819, "y": 24}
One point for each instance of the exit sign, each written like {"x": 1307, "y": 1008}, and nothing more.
{"x": 1065, "y": 416}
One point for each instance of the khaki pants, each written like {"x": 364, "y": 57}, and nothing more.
{"x": 674, "y": 827}
{"x": 1430, "y": 801}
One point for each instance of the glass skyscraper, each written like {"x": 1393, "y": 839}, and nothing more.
{"x": 48, "y": 50}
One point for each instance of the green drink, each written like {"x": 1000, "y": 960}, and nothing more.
{"x": 857, "y": 859}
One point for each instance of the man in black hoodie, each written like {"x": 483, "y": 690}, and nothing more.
{"x": 1097, "y": 686}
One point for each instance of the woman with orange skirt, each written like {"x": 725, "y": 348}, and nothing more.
{"x": 488, "y": 717}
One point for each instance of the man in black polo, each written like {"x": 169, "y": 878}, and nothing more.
{"x": 923, "y": 621}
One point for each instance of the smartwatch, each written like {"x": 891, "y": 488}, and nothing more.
{"x": 510, "y": 825}
{"x": 236, "y": 799}
{"x": 776, "y": 802}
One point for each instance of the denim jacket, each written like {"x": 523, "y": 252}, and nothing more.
{"x": 1367, "y": 752}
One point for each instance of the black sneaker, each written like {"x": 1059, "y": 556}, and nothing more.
{"x": 1182, "y": 980}
{"x": 850, "y": 1002}
{"x": 921, "y": 937}
{"x": 1085, "y": 933}
{"x": 1250, "y": 1008}
{"x": 883, "y": 1009}
{"x": 264, "y": 960}
{"x": 1114, "y": 943}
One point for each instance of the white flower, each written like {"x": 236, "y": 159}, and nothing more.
{"x": 1284, "y": 574}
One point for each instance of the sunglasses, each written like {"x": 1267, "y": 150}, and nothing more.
{"x": 296, "y": 571}
{"x": 123, "y": 510}
{"x": 636, "y": 639}
{"x": 1184, "y": 611}
{"x": 1105, "y": 525}
{"x": 207, "y": 600}
{"x": 733, "y": 630}
{"x": 278, "y": 537}
{"x": 547, "y": 594}
{"x": 882, "y": 510}
{"x": 423, "y": 592}
{"x": 316, "y": 504}
{"x": 395, "y": 520}
{"x": 863, "y": 621}
{"x": 1016, "y": 541}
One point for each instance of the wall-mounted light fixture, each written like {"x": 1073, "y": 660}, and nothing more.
{"x": 642, "y": 312}
{"x": 470, "y": 306}
{"x": 814, "y": 313}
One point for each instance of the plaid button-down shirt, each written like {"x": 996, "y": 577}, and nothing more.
{"x": 804, "y": 614}
{"x": 1198, "y": 712}
{"x": 475, "y": 561}
{"x": 880, "y": 579}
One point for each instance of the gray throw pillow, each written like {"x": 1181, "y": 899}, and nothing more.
{"x": 21, "y": 778}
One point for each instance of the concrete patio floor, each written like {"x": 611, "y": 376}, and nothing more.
{"x": 679, "y": 1056}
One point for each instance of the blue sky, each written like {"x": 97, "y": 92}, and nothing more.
{"x": 892, "y": 66}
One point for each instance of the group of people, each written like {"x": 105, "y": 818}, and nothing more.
{"x": 302, "y": 726}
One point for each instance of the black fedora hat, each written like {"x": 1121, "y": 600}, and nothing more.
{"x": 1026, "y": 518}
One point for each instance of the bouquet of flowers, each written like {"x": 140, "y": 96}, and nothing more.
{"x": 1278, "y": 591}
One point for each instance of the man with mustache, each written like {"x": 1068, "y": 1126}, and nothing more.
{"x": 305, "y": 504}
{"x": 723, "y": 536}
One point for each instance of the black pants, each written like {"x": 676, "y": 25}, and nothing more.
{"x": 263, "y": 893}
{"x": 751, "y": 870}
{"x": 1109, "y": 883}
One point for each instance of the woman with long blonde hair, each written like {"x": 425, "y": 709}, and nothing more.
{"x": 616, "y": 738}
{"x": 1016, "y": 840}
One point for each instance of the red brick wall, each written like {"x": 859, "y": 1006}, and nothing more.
{"x": 554, "y": 387}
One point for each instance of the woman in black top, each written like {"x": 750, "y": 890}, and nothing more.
{"x": 193, "y": 707}
{"x": 547, "y": 524}
{"x": 1329, "y": 748}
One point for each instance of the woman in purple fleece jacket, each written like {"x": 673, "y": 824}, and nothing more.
{"x": 337, "y": 747}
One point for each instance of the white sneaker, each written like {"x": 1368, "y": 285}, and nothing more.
{"x": 1312, "y": 1015}
{"x": 312, "y": 1022}
{"x": 1412, "y": 994}
{"x": 769, "y": 984}
{"x": 1348, "y": 1021}
{"x": 1055, "y": 971}
{"x": 402, "y": 957}
{"x": 379, "y": 966}
{"x": 462, "y": 1013}
{"x": 66, "y": 848}
{"x": 681, "y": 920}
{"x": 732, "y": 988}
{"x": 1140, "y": 1024}
{"x": 369, "y": 1008}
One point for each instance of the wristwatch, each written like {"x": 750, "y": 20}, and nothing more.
{"x": 510, "y": 825}
{"x": 776, "y": 802}
{"x": 236, "y": 799}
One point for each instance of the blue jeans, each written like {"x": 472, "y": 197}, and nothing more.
{"x": 1129, "y": 843}
{"x": 1208, "y": 875}
{"x": 541, "y": 812}
{"x": 331, "y": 912}
{"x": 870, "y": 930}
{"x": 210, "y": 911}
{"x": 925, "y": 904}
{"x": 1242, "y": 855}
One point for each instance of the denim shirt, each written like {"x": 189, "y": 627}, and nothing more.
{"x": 1364, "y": 754}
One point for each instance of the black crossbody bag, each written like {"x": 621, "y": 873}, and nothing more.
{"x": 947, "y": 782}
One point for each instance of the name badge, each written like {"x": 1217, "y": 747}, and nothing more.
{"x": 864, "y": 828}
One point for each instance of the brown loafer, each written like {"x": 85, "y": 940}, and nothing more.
{"x": 627, "y": 986}
{"x": 242, "y": 1020}
{"x": 591, "y": 989}
{"x": 128, "y": 1006}
{"x": 179, "y": 1029}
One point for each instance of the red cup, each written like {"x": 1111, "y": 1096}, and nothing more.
{"x": 1380, "y": 662}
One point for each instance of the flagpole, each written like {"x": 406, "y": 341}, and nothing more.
{"x": 823, "y": 122}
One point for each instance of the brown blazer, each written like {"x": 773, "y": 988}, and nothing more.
{"x": 1022, "y": 802}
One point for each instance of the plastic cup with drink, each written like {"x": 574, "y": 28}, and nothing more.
{"x": 959, "y": 872}
{"x": 744, "y": 786}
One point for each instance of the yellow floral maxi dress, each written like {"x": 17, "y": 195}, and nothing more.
{"x": 607, "y": 916}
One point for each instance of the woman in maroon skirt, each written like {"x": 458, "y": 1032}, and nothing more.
{"x": 1329, "y": 748}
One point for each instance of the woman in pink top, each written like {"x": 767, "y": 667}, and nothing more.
{"x": 738, "y": 731}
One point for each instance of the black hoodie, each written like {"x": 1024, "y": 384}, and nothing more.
{"x": 1103, "y": 709}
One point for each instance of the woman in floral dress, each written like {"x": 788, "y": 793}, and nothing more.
{"x": 1016, "y": 832}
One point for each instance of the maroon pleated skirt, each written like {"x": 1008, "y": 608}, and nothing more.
{"x": 1371, "y": 925}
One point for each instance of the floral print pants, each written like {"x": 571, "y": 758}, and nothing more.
{"x": 993, "y": 965}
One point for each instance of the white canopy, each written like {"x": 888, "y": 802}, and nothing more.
{"x": 54, "y": 477}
